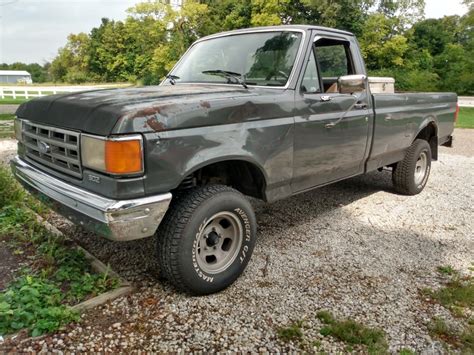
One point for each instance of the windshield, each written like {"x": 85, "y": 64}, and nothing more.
{"x": 262, "y": 58}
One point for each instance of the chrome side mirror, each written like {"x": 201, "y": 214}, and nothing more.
{"x": 351, "y": 84}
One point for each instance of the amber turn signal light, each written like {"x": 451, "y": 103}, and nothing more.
{"x": 114, "y": 155}
{"x": 123, "y": 157}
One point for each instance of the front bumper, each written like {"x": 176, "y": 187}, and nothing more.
{"x": 119, "y": 220}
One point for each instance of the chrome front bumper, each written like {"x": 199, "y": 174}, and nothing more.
{"x": 116, "y": 220}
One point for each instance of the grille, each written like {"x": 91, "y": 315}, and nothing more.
{"x": 53, "y": 147}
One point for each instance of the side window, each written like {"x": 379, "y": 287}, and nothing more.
{"x": 334, "y": 60}
{"x": 310, "y": 84}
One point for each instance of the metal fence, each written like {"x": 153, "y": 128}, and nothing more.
{"x": 26, "y": 92}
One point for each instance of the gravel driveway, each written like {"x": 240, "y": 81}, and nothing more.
{"x": 354, "y": 248}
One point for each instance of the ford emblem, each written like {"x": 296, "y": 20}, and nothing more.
{"x": 43, "y": 147}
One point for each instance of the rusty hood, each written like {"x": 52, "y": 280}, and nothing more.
{"x": 137, "y": 109}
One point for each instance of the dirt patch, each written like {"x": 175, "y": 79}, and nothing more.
{"x": 10, "y": 264}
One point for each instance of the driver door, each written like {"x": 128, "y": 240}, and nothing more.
{"x": 323, "y": 152}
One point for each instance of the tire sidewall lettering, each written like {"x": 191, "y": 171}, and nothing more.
{"x": 196, "y": 267}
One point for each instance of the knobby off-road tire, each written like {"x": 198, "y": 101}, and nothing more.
{"x": 206, "y": 239}
{"x": 411, "y": 174}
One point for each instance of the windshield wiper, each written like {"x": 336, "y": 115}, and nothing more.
{"x": 228, "y": 74}
{"x": 172, "y": 78}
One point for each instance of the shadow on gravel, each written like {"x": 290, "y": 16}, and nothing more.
{"x": 136, "y": 260}
{"x": 318, "y": 250}
{"x": 309, "y": 205}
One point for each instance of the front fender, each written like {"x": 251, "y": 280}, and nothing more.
{"x": 173, "y": 155}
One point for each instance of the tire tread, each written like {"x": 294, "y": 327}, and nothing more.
{"x": 171, "y": 229}
{"x": 402, "y": 176}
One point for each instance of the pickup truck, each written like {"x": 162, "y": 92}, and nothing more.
{"x": 264, "y": 112}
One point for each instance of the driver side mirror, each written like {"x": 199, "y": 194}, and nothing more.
{"x": 351, "y": 84}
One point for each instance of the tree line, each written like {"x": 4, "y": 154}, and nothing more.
{"x": 396, "y": 40}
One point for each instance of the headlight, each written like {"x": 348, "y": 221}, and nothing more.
{"x": 17, "y": 124}
{"x": 116, "y": 155}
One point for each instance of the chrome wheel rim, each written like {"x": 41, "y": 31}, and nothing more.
{"x": 219, "y": 242}
{"x": 420, "y": 168}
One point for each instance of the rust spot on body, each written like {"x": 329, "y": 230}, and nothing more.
{"x": 205, "y": 104}
{"x": 156, "y": 125}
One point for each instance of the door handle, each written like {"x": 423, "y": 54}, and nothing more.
{"x": 388, "y": 118}
{"x": 326, "y": 98}
{"x": 330, "y": 125}
{"x": 360, "y": 106}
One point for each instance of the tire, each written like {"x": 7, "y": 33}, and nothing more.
{"x": 411, "y": 174}
{"x": 206, "y": 239}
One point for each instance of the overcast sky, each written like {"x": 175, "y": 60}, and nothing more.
{"x": 33, "y": 30}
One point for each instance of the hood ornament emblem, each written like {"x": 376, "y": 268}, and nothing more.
{"x": 43, "y": 147}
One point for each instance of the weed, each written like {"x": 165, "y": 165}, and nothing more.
{"x": 353, "y": 333}
{"x": 59, "y": 276}
{"x": 406, "y": 351}
{"x": 439, "y": 328}
{"x": 446, "y": 270}
{"x": 458, "y": 292}
{"x": 325, "y": 317}
{"x": 457, "y": 296}
{"x": 294, "y": 332}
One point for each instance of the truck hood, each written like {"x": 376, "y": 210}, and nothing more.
{"x": 144, "y": 109}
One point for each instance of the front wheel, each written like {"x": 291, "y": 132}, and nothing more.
{"x": 411, "y": 174}
{"x": 206, "y": 239}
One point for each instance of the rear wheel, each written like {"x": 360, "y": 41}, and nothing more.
{"x": 411, "y": 174}
{"x": 206, "y": 239}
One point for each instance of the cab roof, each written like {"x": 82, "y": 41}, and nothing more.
{"x": 282, "y": 28}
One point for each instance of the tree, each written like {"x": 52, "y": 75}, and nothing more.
{"x": 380, "y": 47}
{"x": 72, "y": 62}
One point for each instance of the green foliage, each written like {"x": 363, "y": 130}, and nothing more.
{"x": 34, "y": 303}
{"x": 423, "y": 55}
{"x": 293, "y": 332}
{"x": 59, "y": 275}
{"x": 353, "y": 333}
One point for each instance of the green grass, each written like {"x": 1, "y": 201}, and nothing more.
{"x": 447, "y": 270}
{"x": 294, "y": 332}
{"x": 353, "y": 333}
{"x": 57, "y": 275}
{"x": 459, "y": 292}
{"x": 6, "y": 116}
{"x": 11, "y": 101}
{"x": 466, "y": 117}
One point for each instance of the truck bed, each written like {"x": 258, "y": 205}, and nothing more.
{"x": 400, "y": 117}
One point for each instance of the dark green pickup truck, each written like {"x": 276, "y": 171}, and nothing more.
{"x": 264, "y": 112}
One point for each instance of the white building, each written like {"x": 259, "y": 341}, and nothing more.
{"x": 15, "y": 77}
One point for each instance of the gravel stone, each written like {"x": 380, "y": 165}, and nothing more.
{"x": 354, "y": 248}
